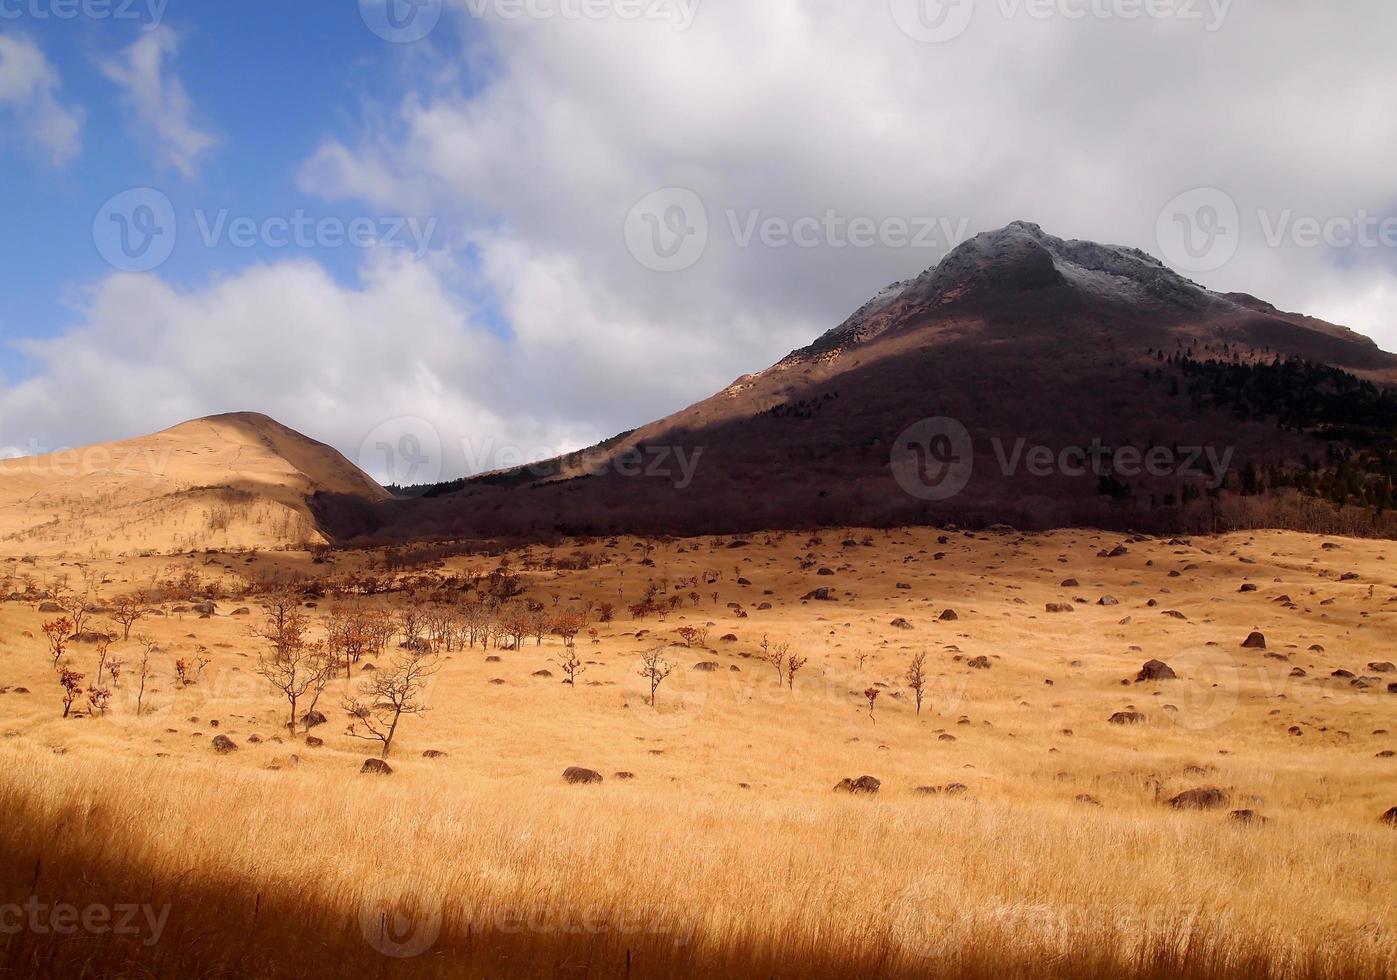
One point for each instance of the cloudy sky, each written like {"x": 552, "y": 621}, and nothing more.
{"x": 502, "y": 227}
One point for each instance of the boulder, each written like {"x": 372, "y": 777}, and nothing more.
{"x": 312, "y": 719}
{"x": 1155, "y": 670}
{"x": 1127, "y": 718}
{"x": 376, "y": 767}
{"x": 1202, "y": 798}
{"x": 707, "y": 667}
{"x": 948, "y": 616}
{"x": 222, "y": 744}
{"x": 576, "y": 775}
{"x": 979, "y": 663}
{"x": 864, "y": 784}
{"x": 1256, "y": 641}
{"x": 900, "y": 624}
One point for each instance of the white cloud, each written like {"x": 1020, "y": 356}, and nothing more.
{"x": 29, "y": 91}
{"x": 784, "y": 108}
{"x": 336, "y": 362}
{"x": 798, "y": 107}
{"x": 158, "y": 99}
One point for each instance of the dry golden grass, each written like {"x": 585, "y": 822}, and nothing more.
{"x": 728, "y": 854}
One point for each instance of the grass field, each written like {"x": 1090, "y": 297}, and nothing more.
{"x": 1049, "y": 849}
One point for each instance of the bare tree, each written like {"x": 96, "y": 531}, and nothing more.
{"x": 793, "y": 666}
{"x": 76, "y": 607}
{"x": 291, "y": 664}
{"x": 127, "y": 611}
{"x": 655, "y": 668}
{"x": 320, "y": 680}
{"x": 916, "y": 678}
{"x": 57, "y": 632}
{"x": 567, "y": 625}
{"x": 571, "y": 667}
{"x": 514, "y": 623}
{"x": 775, "y": 654}
{"x": 390, "y": 694}
{"x": 71, "y": 682}
{"x": 104, "y": 644}
{"x": 148, "y": 647}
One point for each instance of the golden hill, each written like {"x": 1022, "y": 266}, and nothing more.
{"x": 228, "y": 481}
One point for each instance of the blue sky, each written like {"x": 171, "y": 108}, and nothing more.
{"x": 548, "y": 153}
{"x": 268, "y": 81}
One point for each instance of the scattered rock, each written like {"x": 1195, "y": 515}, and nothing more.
{"x": 1127, "y": 718}
{"x": 1202, "y": 798}
{"x": 1060, "y": 607}
{"x": 948, "y": 616}
{"x": 313, "y": 719}
{"x": 900, "y": 624}
{"x": 864, "y": 784}
{"x": 979, "y": 663}
{"x": 222, "y": 744}
{"x": 1256, "y": 641}
{"x": 1247, "y": 817}
{"x": 433, "y": 754}
{"x": 376, "y": 767}
{"x": 576, "y": 775}
{"x": 1156, "y": 670}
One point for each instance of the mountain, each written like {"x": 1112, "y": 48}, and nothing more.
{"x": 228, "y": 481}
{"x": 1030, "y": 352}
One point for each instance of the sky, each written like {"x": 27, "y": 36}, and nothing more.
{"x": 450, "y": 235}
